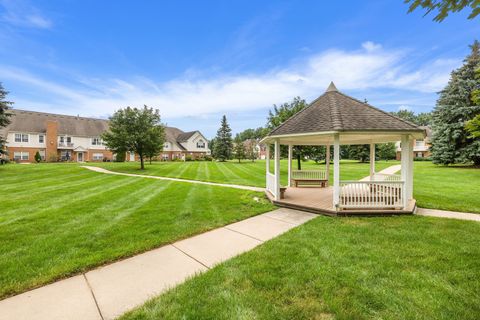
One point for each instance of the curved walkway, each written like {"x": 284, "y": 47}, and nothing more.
{"x": 235, "y": 186}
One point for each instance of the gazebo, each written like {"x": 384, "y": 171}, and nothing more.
{"x": 337, "y": 119}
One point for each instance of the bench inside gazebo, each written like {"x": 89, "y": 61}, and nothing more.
{"x": 336, "y": 119}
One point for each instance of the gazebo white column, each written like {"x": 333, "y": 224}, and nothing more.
{"x": 372, "y": 160}
{"x": 410, "y": 169}
{"x": 407, "y": 168}
{"x": 267, "y": 163}
{"x": 336, "y": 170}
{"x": 290, "y": 151}
{"x": 277, "y": 169}
{"x": 327, "y": 161}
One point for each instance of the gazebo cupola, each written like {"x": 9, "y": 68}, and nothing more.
{"x": 337, "y": 119}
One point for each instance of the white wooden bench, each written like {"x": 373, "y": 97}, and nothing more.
{"x": 309, "y": 177}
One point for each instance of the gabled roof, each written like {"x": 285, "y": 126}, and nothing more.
{"x": 335, "y": 111}
{"x": 32, "y": 121}
{"x": 185, "y": 136}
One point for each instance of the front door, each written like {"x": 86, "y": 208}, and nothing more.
{"x": 132, "y": 156}
{"x": 80, "y": 157}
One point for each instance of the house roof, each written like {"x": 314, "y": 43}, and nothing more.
{"x": 34, "y": 122}
{"x": 182, "y": 137}
{"x": 336, "y": 111}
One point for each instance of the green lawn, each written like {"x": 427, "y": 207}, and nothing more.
{"x": 244, "y": 173}
{"x": 354, "y": 268}
{"x": 454, "y": 188}
{"x": 449, "y": 188}
{"x": 60, "y": 219}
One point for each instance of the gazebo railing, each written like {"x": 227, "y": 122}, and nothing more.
{"x": 309, "y": 174}
{"x": 271, "y": 183}
{"x": 386, "y": 177}
{"x": 372, "y": 194}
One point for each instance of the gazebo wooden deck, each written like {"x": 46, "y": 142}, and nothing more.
{"x": 320, "y": 201}
{"x": 337, "y": 119}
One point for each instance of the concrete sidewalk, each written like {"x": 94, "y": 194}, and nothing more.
{"x": 235, "y": 186}
{"x": 448, "y": 214}
{"x": 110, "y": 291}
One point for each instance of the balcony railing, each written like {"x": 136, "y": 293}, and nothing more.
{"x": 65, "y": 145}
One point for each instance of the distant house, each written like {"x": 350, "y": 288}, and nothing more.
{"x": 69, "y": 138}
{"x": 421, "y": 148}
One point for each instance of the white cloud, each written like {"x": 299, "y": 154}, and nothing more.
{"x": 404, "y": 108}
{"x": 21, "y": 14}
{"x": 371, "y": 67}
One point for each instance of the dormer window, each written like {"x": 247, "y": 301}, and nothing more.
{"x": 200, "y": 144}
{"x": 41, "y": 138}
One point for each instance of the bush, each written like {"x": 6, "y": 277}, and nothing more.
{"x": 188, "y": 158}
{"x": 422, "y": 159}
{"x": 207, "y": 158}
{"x": 120, "y": 157}
{"x": 38, "y": 157}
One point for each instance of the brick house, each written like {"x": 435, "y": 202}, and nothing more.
{"x": 421, "y": 148}
{"x": 73, "y": 138}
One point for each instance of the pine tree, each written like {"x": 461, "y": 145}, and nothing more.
{"x": 38, "y": 157}
{"x": 223, "y": 141}
{"x": 451, "y": 142}
{"x": 4, "y": 115}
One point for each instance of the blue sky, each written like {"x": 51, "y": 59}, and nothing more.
{"x": 197, "y": 60}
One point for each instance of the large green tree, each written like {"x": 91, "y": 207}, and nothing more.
{"x": 451, "y": 142}
{"x": 223, "y": 141}
{"x": 444, "y": 7}
{"x": 136, "y": 130}
{"x": 4, "y": 115}
{"x": 420, "y": 119}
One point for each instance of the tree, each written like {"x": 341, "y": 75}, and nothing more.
{"x": 38, "y": 157}
{"x": 386, "y": 151}
{"x": 359, "y": 152}
{"x": 282, "y": 113}
{"x": 136, "y": 130}
{"x": 251, "y": 149}
{"x": 4, "y": 115}
{"x": 451, "y": 142}
{"x": 420, "y": 119}
{"x": 444, "y": 7}
{"x": 473, "y": 127}
{"x": 223, "y": 141}
{"x": 239, "y": 149}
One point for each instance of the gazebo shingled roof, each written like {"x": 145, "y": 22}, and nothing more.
{"x": 336, "y": 111}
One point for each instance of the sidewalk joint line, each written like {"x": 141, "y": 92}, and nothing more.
{"x": 93, "y": 296}
{"x": 244, "y": 234}
{"x": 203, "y": 264}
{"x": 293, "y": 224}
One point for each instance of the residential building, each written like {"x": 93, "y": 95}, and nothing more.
{"x": 72, "y": 138}
{"x": 421, "y": 148}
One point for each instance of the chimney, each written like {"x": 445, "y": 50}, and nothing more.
{"x": 51, "y": 153}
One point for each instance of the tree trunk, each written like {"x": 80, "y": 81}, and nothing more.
{"x": 150, "y": 160}
{"x": 299, "y": 162}
{"x": 142, "y": 166}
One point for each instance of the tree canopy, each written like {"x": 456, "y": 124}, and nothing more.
{"x": 136, "y": 130}
{"x": 452, "y": 143}
{"x": 444, "y": 7}
{"x": 420, "y": 119}
{"x": 4, "y": 115}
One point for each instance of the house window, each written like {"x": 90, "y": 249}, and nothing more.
{"x": 41, "y": 138}
{"x": 42, "y": 154}
{"x": 65, "y": 155}
{"x": 21, "y": 137}
{"x": 200, "y": 144}
{"x": 20, "y": 155}
{"x": 97, "y": 156}
{"x": 96, "y": 141}
{"x": 419, "y": 143}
